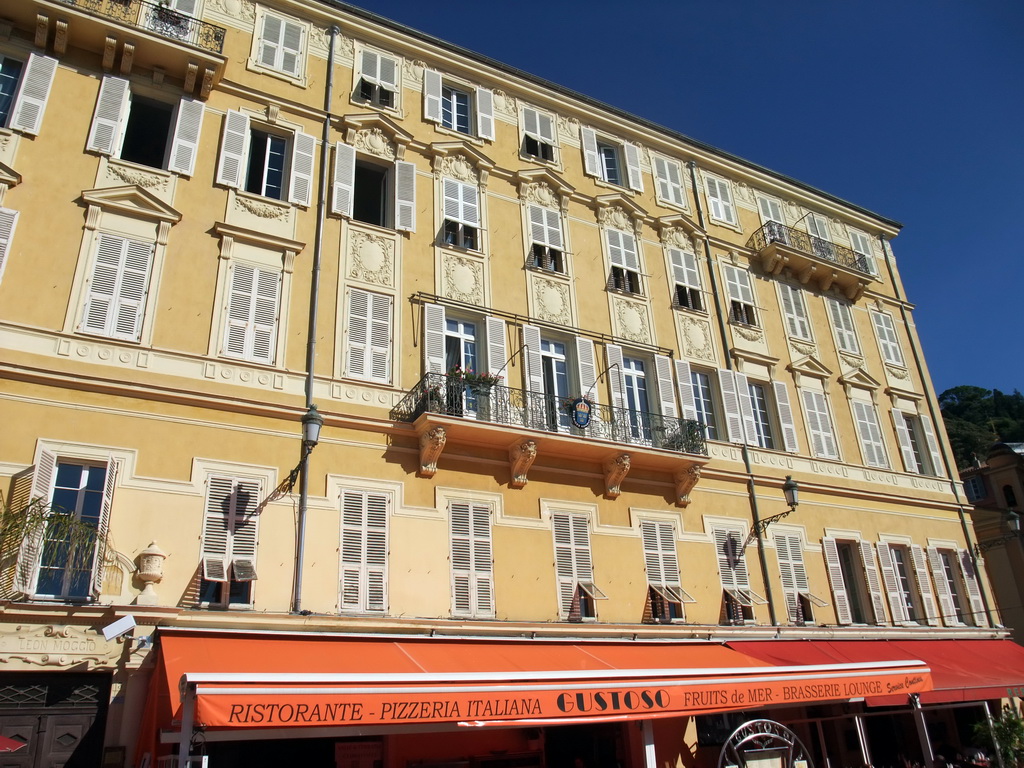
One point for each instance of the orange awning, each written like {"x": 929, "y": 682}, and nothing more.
{"x": 264, "y": 680}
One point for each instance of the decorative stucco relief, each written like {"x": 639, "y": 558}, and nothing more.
{"x": 459, "y": 168}
{"x": 371, "y": 258}
{"x": 851, "y": 361}
{"x": 744, "y": 194}
{"x": 675, "y": 237}
{"x": 552, "y": 300}
{"x": 697, "y": 339}
{"x": 541, "y": 194}
{"x": 615, "y": 217}
{"x": 803, "y": 348}
{"x": 896, "y": 372}
{"x": 260, "y": 209}
{"x": 414, "y": 73}
{"x": 463, "y": 279}
{"x": 374, "y": 141}
{"x": 239, "y": 10}
{"x": 505, "y": 104}
{"x": 631, "y": 320}
{"x": 569, "y": 129}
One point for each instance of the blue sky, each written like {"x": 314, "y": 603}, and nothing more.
{"x": 913, "y": 109}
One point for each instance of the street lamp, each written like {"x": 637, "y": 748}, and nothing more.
{"x": 311, "y": 423}
{"x": 1012, "y": 523}
{"x": 791, "y": 490}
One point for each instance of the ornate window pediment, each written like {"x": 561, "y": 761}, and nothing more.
{"x": 679, "y": 231}
{"x": 617, "y": 211}
{"x": 809, "y": 366}
{"x": 8, "y": 178}
{"x": 541, "y": 186}
{"x": 376, "y": 134}
{"x": 858, "y": 378}
{"x": 130, "y": 200}
{"x": 461, "y": 161}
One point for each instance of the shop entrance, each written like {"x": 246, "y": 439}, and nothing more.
{"x": 583, "y": 746}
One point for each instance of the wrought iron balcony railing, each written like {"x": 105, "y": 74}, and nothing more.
{"x": 495, "y": 404}
{"x": 158, "y": 19}
{"x": 773, "y": 232}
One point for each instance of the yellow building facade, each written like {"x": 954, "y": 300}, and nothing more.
{"x": 565, "y": 361}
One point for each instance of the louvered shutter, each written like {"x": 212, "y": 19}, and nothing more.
{"x": 732, "y": 566}
{"x": 234, "y": 149}
{"x": 539, "y": 125}
{"x": 616, "y": 377}
{"x": 472, "y": 578}
{"x": 622, "y": 249}
{"x": 867, "y": 554}
{"x": 433, "y": 338}
{"x": 906, "y": 447}
{"x": 840, "y": 598}
{"x": 111, "y": 111}
{"x": 887, "y": 339}
{"x": 870, "y": 434}
{"x": 591, "y": 158}
{"x": 344, "y": 179}
{"x": 379, "y": 69}
{"x": 116, "y": 295}
{"x": 720, "y": 199}
{"x": 281, "y": 45}
{"x": 369, "y": 335}
{"x": 731, "y": 405}
{"x": 485, "y": 114}
{"x": 217, "y": 528}
{"x": 545, "y": 226}
{"x": 245, "y": 530}
{"x": 635, "y": 177}
{"x": 461, "y": 202}
{"x": 587, "y": 362}
{"x": 33, "y": 92}
{"x": 795, "y": 312}
{"x": 924, "y": 584}
{"x": 8, "y": 219}
{"x": 303, "y": 152}
{"x": 897, "y": 604}
{"x": 669, "y": 177}
{"x": 251, "y": 331}
{"x": 932, "y": 444}
{"x": 405, "y": 196}
{"x": 572, "y": 556}
{"x": 785, "y": 548}
{"x": 497, "y": 352}
{"x": 942, "y": 588}
{"x": 786, "y": 420}
{"x": 770, "y": 210}
{"x": 819, "y": 422}
{"x": 842, "y": 321}
{"x": 364, "y": 550}
{"x": 666, "y": 392}
{"x": 746, "y": 408}
{"x": 432, "y": 95}
{"x": 684, "y": 382}
{"x": 185, "y": 141}
{"x": 534, "y": 372}
{"x": 652, "y": 552}
{"x": 31, "y": 548}
{"x": 103, "y": 528}
{"x": 669, "y": 555}
{"x": 684, "y": 268}
{"x": 970, "y": 577}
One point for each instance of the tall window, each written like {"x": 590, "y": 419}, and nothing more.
{"x": 720, "y": 203}
{"x": 556, "y": 384}
{"x": 739, "y": 599}
{"x": 622, "y": 253}
{"x": 687, "y": 290}
{"x": 10, "y": 75}
{"x": 265, "y": 161}
{"x": 795, "y": 311}
{"x": 871, "y": 442}
{"x": 230, "y": 533}
{"x": 888, "y": 342}
{"x": 742, "y": 305}
{"x": 546, "y": 236}
{"x": 382, "y": 194}
{"x": 761, "y": 415}
{"x": 821, "y": 240}
{"x": 819, "y": 425}
{"x": 368, "y": 341}
{"x": 539, "y": 138}
{"x": 461, "y": 214}
{"x": 918, "y": 444}
{"x": 842, "y": 323}
{"x": 704, "y": 401}
{"x": 665, "y": 593}
{"x": 252, "y": 309}
{"x": 950, "y": 587}
{"x": 458, "y": 107}
{"x": 577, "y": 593}
{"x": 117, "y": 288}
{"x": 364, "y": 551}
{"x": 460, "y": 354}
{"x": 472, "y": 576}
{"x": 634, "y": 377}
{"x": 611, "y": 160}
{"x": 856, "y": 588}
{"x": 861, "y": 245}
{"x": 8, "y": 220}
{"x": 24, "y": 91}
{"x": 378, "y": 79}
{"x": 280, "y": 45}
{"x": 668, "y": 174}
{"x": 800, "y": 603}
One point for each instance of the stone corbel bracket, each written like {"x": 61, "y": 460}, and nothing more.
{"x": 431, "y": 444}
{"x": 615, "y": 471}
{"x": 685, "y": 481}
{"x": 520, "y": 459}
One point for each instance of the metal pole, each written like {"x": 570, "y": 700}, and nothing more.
{"x": 314, "y": 298}
{"x": 650, "y": 761}
{"x": 922, "y": 730}
{"x": 862, "y": 739}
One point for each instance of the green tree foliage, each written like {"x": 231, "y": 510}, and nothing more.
{"x": 976, "y": 418}
{"x": 1009, "y": 732}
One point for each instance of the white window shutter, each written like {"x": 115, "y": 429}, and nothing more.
{"x": 116, "y": 294}
{"x": 270, "y": 41}
{"x": 251, "y": 326}
{"x": 303, "y": 154}
{"x": 264, "y": 315}
{"x": 932, "y": 443}
{"x": 31, "y": 549}
{"x": 534, "y": 372}
{"x": 291, "y": 48}
{"x": 819, "y": 422}
{"x": 432, "y": 95}
{"x": 461, "y": 202}
{"x": 433, "y": 338}
{"x": 870, "y": 434}
{"x": 942, "y": 590}
{"x": 746, "y": 408}
{"x": 8, "y": 219}
{"x": 380, "y": 337}
{"x": 840, "y": 598}
{"x": 666, "y": 392}
{"x": 668, "y": 176}
{"x": 636, "y": 179}
{"x": 185, "y": 142}
{"x": 684, "y": 382}
{"x": 652, "y": 552}
{"x": 785, "y": 548}
{"x": 107, "y": 119}
{"x": 731, "y": 405}
{"x": 842, "y": 321}
{"x": 616, "y": 376}
{"x": 867, "y": 555}
{"x": 472, "y": 579}
{"x": 33, "y": 93}
{"x": 237, "y": 334}
{"x": 103, "y": 527}
{"x": 587, "y": 362}
{"x": 497, "y": 352}
{"x": 364, "y": 551}
{"x": 358, "y": 336}
{"x": 903, "y": 436}
{"x": 892, "y": 586}
{"x": 216, "y": 548}
{"x": 343, "y": 181}
{"x": 234, "y": 149}
{"x": 245, "y": 530}
{"x": 565, "y": 563}
{"x": 770, "y": 210}
{"x": 732, "y": 567}
{"x": 591, "y": 158}
{"x": 970, "y": 577}
{"x": 924, "y": 584}
{"x": 786, "y": 416}
{"x": 485, "y": 114}
{"x": 405, "y": 196}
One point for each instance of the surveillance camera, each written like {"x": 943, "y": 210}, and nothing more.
{"x": 119, "y": 628}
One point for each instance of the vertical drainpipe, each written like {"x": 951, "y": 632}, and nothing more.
{"x": 936, "y": 418}
{"x": 314, "y": 298}
{"x": 751, "y": 485}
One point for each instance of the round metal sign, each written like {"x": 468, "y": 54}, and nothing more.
{"x": 580, "y": 410}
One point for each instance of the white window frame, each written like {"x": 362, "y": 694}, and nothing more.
{"x": 869, "y": 430}
{"x": 115, "y": 305}
{"x": 627, "y": 159}
{"x": 363, "y": 550}
{"x": 794, "y": 310}
{"x": 820, "y": 429}
{"x": 739, "y": 598}
{"x": 481, "y": 105}
{"x": 546, "y": 238}
{"x": 888, "y": 340}
{"x": 542, "y": 128}
{"x": 686, "y": 280}
{"x": 661, "y": 561}
{"x": 32, "y": 95}
{"x": 574, "y": 567}
{"x": 624, "y": 275}
{"x": 369, "y": 336}
{"x": 472, "y": 558}
{"x": 461, "y": 215}
{"x": 669, "y": 181}
{"x": 721, "y": 207}
{"x": 869, "y": 581}
{"x": 382, "y": 72}
{"x": 843, "y": 326}
{"x": 272, "y": 56}
{"x": 743, "y": 309}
